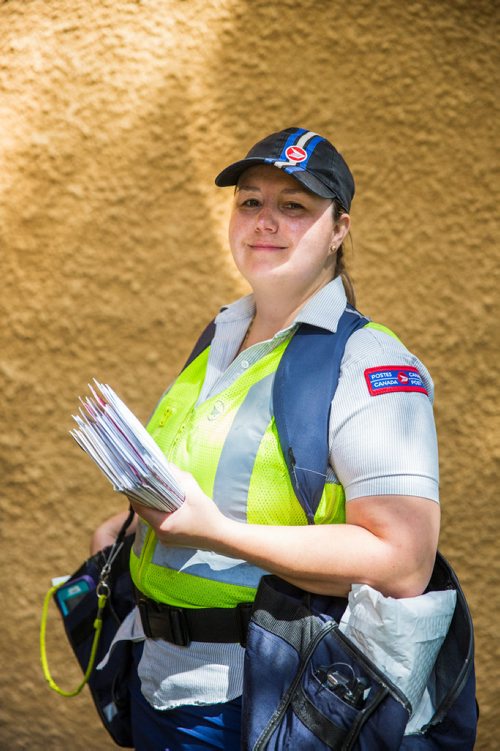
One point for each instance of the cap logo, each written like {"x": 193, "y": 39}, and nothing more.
{"x": 296, "y": 154}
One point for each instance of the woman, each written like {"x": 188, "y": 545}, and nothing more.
{"x": 379, "y": 521}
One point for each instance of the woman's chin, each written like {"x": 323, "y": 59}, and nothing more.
{"x": 262, "y": 269}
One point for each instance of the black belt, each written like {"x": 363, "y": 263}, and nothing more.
{"x": 181, "y": 626}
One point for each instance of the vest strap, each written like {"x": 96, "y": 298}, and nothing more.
{"x": 181, "y": 626}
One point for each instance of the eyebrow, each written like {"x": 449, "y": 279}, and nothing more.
{"x": 255, "y": 188}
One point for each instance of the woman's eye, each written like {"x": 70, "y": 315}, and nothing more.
{"x": 250, "y": 203}
{"x": 293, "y": 206}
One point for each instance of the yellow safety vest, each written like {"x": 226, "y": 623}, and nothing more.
{"x": 230, "y": 444}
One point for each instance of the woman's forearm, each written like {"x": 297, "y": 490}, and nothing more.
{"x": 328, "y": 559}
{"x": 316, "y": 558}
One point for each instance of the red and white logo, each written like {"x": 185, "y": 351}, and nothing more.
{"x": 295, "y": 154}
{"x": 402, "y": 378}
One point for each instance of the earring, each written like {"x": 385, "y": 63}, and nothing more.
{"x": 333, "y": 249}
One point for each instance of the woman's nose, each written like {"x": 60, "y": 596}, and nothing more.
{"x": 267, "y": 220}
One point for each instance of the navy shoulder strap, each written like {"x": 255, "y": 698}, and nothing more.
{"x": 304, "y": 386}
{"x": 204, "y": 340}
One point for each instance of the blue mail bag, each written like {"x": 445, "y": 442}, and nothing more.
{"x": 308, "y": 687}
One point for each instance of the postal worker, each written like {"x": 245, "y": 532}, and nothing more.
{"x": 378, "y": 521}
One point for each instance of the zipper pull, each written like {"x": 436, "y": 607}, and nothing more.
{"x": 293, "y": 462}
{"x": 302, "y": 497}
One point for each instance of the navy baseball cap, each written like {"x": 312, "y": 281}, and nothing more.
{"x": 307, "y": 156}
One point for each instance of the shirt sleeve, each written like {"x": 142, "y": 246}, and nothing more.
{"x": 382, "y": 435}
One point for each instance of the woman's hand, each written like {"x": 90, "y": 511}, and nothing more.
{"x": 197, "y": 523}
{"x": 107, "y": 532}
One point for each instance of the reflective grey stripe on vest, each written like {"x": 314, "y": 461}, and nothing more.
{"x": 208, "y": 565}
{"x": 231, "y": 485}
{"x": 235, "y": 467}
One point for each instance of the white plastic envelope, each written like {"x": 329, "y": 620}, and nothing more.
{"x": 402, "y": 637}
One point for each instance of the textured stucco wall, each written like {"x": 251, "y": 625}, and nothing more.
{"x": 114, "y": 118}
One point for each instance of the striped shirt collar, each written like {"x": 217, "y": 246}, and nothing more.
{"x": 323, "y": 309}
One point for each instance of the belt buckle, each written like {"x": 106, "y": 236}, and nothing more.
{"x": 163, "y": 622}
{"x": 179, "y": 631}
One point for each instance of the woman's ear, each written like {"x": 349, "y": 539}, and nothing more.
{"x": 340, "y": 230}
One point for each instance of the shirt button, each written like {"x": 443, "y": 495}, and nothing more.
{"x": 244, "y": 364}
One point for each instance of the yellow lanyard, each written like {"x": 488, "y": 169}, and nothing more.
{"x": 101, "y": 604}
{"x": 103, "y": 592}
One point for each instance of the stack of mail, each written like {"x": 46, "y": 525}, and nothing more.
{"x": 124, "y": 451}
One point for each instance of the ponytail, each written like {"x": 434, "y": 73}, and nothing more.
{"x": 340, "y": 270}
{"x": 340, "y": 267}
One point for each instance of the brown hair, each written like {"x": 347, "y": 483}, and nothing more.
{"x": 340, "y": 267}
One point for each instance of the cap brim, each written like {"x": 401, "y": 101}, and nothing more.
{"x": 230, "y": 176}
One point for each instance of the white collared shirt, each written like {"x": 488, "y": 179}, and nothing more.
{"x": 395, "y": 454}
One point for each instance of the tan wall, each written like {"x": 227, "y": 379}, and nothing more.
{"x": 114, "y": 118}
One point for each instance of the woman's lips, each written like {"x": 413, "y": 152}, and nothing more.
{"x": 265, "y": 246}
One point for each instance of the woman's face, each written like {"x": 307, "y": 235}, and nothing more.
{"x": 279, "y": 232}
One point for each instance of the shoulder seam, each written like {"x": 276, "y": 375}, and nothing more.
{"x": 374, "y": 338}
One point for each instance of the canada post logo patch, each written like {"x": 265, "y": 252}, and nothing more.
{"x": 388, "y": 379}
{"x": 296, "y": 154}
